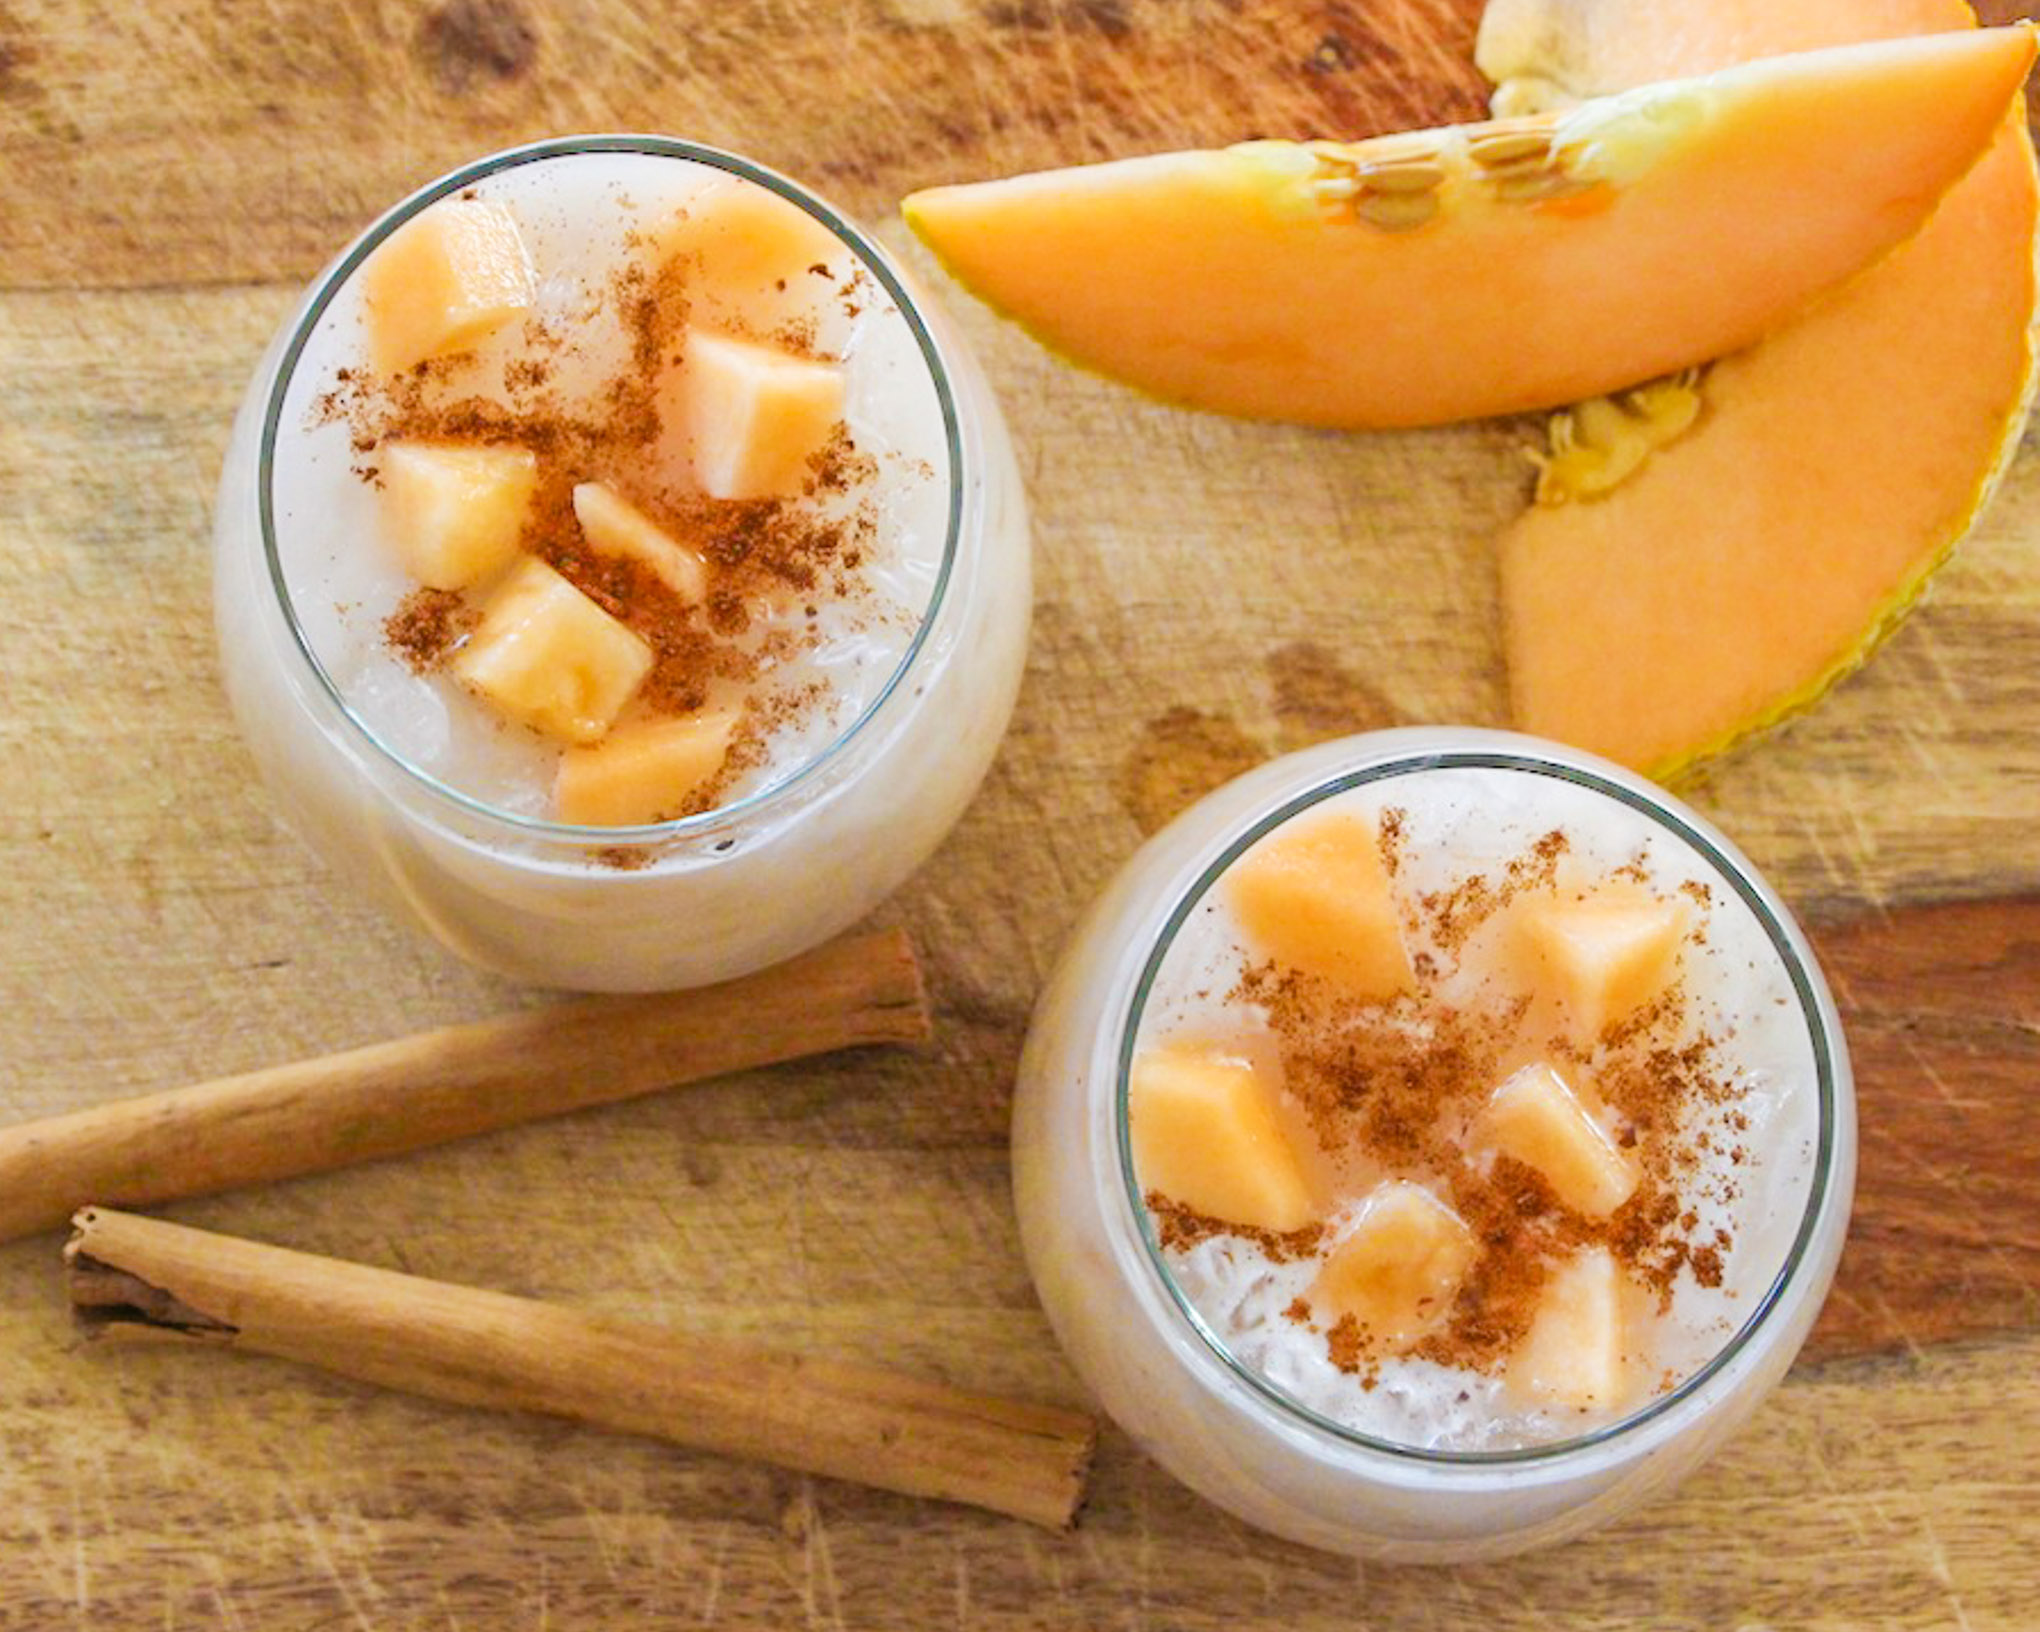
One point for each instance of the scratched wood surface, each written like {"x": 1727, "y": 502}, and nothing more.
{"x": 1209, "y": 593}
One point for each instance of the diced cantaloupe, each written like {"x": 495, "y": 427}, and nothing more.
{"x": 1206, "y": 1135}
{"x": 444, "y": 281}
{"x": 1397, "y": 1270}
{"x": 751, "y": 417}
{"x": 1537, "y": 1118}
{"x": 548, "y": 657}
{"x": 750, "y": 252}
{"x": 1605, "y": 954}
{"x": 1314, "y": 895}
{"x": 641, "y": 772}
{"x": 455, "y": 514}
{"x": 615, "y": 526}
{"x": 1573, "y": 1353}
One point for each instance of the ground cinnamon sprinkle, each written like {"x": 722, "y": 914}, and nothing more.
{"x": 1456, "y": 913}
{"x": 426, "y": 627}
{"x": 1393, "y": 821}
{"x": 1180, "y": 1228}
{"x": 1392, "y": 1090}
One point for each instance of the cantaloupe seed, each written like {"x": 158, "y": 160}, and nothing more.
{"x": 1595, "y": 445}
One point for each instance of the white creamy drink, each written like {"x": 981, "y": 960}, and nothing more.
{"x": 1433, "y": 1144}
{"x": 1709, "y": 1102}
{"x": 620, "y": 568}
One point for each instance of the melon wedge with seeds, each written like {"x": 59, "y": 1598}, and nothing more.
{"x": 1483, "y": 269}
{"x": 1748, "y": 563}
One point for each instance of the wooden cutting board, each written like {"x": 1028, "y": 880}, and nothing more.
{"x": 1209, "y": 592}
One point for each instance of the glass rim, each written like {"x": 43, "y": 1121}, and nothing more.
{"x": 1777, "y": 932}
{"x": 873, "y": 259}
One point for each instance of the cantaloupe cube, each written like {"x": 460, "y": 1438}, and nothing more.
{"x": 443, "y": 281}
{"x": 1605, "y": 954}
{"x": 455, "y": 514}
{"x": 751, "y": 416}
{"x": 616, "y": 527}
{"x": 643, "y": 771}
{"x": 744, "y": 241}
{"x": 1398, "y": 1268}
{"x": 1205, "y": 1134}
{"x": 1573, "y": 1353}
{"x": 1314, "y": 895}
{"x": 1537, "y": 1118}
{"x": 547, "y": 656}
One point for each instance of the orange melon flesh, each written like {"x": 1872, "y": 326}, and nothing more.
{"x": 443, "y": 282}
{"x": 1603, "y": 954}
{"x": 1573, "y": 1354}
{"x": 1537, "y": 1118}
{"x": 753, "y": 257}
{"x": 1315, "y": 896}
{"x": 751, "y": 418}
{"x": 1681, "y": 222}
{"x": 1206, "y": 1134}
{"x": 1397, "y": 1270}
{"x": 1751, "y": 563}
{"x": 645, "y": 771}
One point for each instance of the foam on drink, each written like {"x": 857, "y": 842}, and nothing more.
{"x": 1493, "y": 1172}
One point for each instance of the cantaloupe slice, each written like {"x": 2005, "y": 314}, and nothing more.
{"x": 1315, "y": 896}
{"x": 750, "y": 256}
{"x": 455, "y": 514}
{"x": 1205, "y": 1133}
{"x": 1746, "y": 565}
{"x": 615, "y": 526}
{"x": 1605, "y": 953}
{"x": 1483, "y": 269}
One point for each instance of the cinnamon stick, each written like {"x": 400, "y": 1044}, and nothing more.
{"x": 425, "y": 1090}
{"x": 140, "y": 1278}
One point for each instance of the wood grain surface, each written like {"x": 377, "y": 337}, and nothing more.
{"x": 1209, "y": 592}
